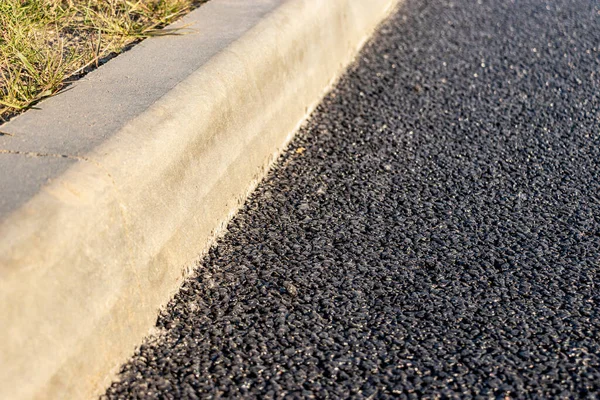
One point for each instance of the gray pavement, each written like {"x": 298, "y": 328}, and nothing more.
{"x": 433, "y": 231}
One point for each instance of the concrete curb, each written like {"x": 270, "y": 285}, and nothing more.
{"x": 86, "y": 263}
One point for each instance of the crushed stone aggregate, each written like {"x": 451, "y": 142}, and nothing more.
{"x": 432, "y": 232}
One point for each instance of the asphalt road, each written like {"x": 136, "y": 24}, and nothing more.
{"x": 434, "y": 230}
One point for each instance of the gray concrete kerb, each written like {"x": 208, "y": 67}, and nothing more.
{"x": 113, "y": 188}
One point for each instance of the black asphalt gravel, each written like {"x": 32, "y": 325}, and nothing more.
{"x": 433, "y": 232}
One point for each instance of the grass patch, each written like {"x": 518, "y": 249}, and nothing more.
{"x": 46, "y": 43}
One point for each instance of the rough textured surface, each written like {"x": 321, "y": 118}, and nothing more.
{"x": 433, "y": 232}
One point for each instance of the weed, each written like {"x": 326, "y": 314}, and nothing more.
{"x": 45, "y": 43}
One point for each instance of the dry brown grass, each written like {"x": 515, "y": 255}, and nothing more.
{"x": 45, "y": 43}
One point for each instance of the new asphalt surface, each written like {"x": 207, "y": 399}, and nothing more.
{"x": 433, "y": 231}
